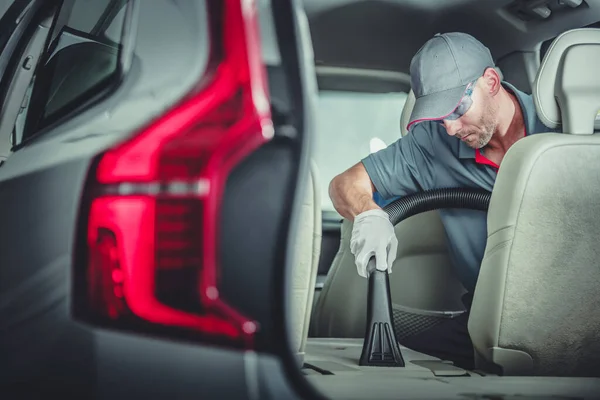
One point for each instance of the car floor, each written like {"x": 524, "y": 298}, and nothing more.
{"x": 331, "y": 366}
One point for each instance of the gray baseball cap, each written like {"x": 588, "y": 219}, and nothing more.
{"x": 441, "y": 71}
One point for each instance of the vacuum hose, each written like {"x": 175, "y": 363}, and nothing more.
{"x": 474, "y": 199}
{"x": 380, "y": 347}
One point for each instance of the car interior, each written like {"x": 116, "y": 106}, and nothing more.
{"x": 533, "y": 321}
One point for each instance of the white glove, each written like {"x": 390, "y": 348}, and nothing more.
{"x": 373, "y": 234}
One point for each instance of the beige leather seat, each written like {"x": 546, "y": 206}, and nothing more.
{"x": 536, "y": 307}
{"x": 423, "y": 285}
{"x": 307, "y": 249}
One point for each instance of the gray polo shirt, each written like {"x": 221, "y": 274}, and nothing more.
{"x": 428, "y": 158}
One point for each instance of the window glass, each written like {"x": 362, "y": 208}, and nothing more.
{"x": 86, "y": 14}
{"x": 115, "y": 28}
{"x": 350, "y": 125}
{"x": 80, "y": 64}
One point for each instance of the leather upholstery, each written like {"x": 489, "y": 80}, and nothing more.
{"x": 535, "y": 306}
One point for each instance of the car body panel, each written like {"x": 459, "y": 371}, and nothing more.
{"x": 45, "y": 350}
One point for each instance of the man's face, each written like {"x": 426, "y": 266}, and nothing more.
{"x": 477, "y": 125}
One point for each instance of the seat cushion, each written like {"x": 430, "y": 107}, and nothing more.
{"x": 423, "y": 285}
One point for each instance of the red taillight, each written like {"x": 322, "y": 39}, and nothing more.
{"x": 152, "y": 235}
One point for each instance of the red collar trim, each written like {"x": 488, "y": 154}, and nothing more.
{"x": 481, "y": 159}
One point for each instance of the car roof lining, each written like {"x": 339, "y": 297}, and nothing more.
{"x": 385, "y": 34}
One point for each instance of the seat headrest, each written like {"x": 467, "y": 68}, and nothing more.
{"x": 406, "y": 111}
{"x": 566, "y": 90}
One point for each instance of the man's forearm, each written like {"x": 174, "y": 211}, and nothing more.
{"x": 352, "y": 192}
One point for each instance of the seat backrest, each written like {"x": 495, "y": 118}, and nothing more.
{"x": 535, "y": 306}
{"x": 422, "y": 283}
{"x": 307, "y": 249}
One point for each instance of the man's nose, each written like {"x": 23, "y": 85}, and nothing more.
{"x": 452, "y": 127}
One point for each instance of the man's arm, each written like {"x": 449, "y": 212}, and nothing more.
{"x": 402, "y": 168}
{"x": 373, "y": 234}
{"x": 351, "y": 192}
{"x": 393, "y": 171}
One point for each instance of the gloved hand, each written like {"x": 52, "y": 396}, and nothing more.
{"x": 373, "y": 234}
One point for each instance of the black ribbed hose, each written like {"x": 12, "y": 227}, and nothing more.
{"x": 473, "y": 199}
{"x": 380, "y": 347}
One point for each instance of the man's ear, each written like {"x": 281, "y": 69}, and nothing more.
{"x": 492, "y": 80}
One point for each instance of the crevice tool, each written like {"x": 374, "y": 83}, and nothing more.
{"x": 380, "y": 347}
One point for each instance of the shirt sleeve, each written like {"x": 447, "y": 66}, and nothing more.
{"x": 404, "y": 167}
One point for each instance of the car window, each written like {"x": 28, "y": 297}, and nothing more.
{"x": 86, "y": 14}
{"x": 350, "y": 125}
{"x": 79, "y": 65}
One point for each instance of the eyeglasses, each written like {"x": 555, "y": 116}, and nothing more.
{"x": 465, "y": 103}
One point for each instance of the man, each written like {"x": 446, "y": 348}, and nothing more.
{"x": 464, "y": 120}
